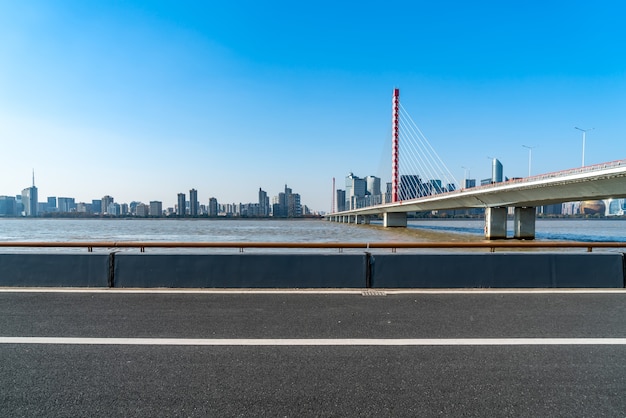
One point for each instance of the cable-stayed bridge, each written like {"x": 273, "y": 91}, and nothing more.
{"x": 409, "y": 193}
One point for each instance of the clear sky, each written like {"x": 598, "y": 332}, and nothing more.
{"x": 142, "y": 100}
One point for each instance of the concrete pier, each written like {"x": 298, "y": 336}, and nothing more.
{"x": 495, "y": 223}
{"x": 394, "y": 219}
{"x": 524, "y": 223}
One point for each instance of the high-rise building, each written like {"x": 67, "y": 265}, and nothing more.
{"x": 114, "y": 209}
{"x": 182, "y": 206}
{"x": 52, "y": 204}
{"x": 356, "y": 189}
{"x": 470, "y": 183}
{"x": 496, "y": 171}
{"x": 193, "y": 202}
{"x": 8, "y": 206}
{"x": 142, "y": 210}
{"x": 29, "y": 199}
{"x": 341, "y": 200}
{"x": 156, "y": 209}
{"x": 66, "y": 204}
{"x": 411, "y": 187}
{"x": 213, "y": 207}
{"x": 294, "y": 208}
{"x": 106, "y": 203}
{"x": 96, "y": 206}
{"x": 264, "y": 203}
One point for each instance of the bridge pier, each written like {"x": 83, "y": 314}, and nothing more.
{"x": 524, "y": 223}
{"x": 394, "y": 219}
{"x": 495, "y": 223}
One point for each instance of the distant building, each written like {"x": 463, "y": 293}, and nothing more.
{"x": 264, "y": 203}
{"x": 496, "y": 171}
{"x": 82, "y": 207}
{"x": 96, "y": 206}
{"x": 29, "y": 200}
{"x": 470, "y": 183}
{"x": 356, "y": 188}
{"x": 193, "y": 202}
{"x": 213, "y": 207}
{"x": 66, "y": 204}
{"x": 106, "y": 203}
{"x": 8, "y": 206}
{"x": 341, "y": 200}
{"x": 555, "y": 209}
{"x": 181, "y": 207}
{"x": 156, "y": 209}
{"x": 52, "y": 204}
{"x": 411, "y": 187}
{"x": 114, "y": 209}
{"x": 142, "y": 210}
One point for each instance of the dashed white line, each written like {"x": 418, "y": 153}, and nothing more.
{"x": 314, "y": 341}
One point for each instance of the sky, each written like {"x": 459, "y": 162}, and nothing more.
{"x": 142, "y": 100}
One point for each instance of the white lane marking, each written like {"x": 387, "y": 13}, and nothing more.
{"x": 312, "y": 291}
{"x": 314, "y": 342}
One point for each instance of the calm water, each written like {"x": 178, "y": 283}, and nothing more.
{"x": 203, "y": 230}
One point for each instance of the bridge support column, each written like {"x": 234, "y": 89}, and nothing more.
{"x": 524, "y": 223}
{"x": 394, "y": 219}
{"x": 357, "y": 219}
{"x": 495, "y": 223}
{"x": 366, "y": 219}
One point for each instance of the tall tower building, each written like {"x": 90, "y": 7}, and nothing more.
{"x": 29, "y": 199}
{"x": 264, "y": 203}
{"x": 193, "y": 202}
{"x": 180, "y": 208}
{"x": 213, "y": 207}
{"x": 496, "y": 171}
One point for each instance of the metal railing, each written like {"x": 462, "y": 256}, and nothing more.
{"x": 393, "y": 246}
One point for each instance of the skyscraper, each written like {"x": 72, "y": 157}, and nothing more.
{"x": 213, "y": 207}
{"x": 193, "y": 202}
{"x": 264, "y": 203}
{"x": 355, "y": 191}
{"x": 180, "y": 208}
{"x": 496, "y": 171}
{"x": 29, "y": 199}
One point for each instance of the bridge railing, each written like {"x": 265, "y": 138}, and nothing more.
{"x": 340, "y": 246}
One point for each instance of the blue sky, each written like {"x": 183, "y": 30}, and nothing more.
{"x": 145, "y": 99}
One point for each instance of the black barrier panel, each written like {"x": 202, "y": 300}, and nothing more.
{"x": 54, "y": 270}
{"x": 240, "y": 270}
{"x": 498, "y": 270}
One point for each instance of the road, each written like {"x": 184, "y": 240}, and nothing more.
{"x": 335, "y": 353}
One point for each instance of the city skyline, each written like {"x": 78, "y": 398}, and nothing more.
{"x": 142, "y": 99}
{"x": 284, "y": 204}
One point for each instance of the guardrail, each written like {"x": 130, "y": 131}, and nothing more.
{"x": 393, "y": 246}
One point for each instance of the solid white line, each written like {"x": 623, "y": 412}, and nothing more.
{"x": 314, "y": 342}
{"x": 312, "y": 291}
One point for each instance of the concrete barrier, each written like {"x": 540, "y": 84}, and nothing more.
{"x": 54, "y": 270}
{"x": 241, "y": 270}
{"x": 498, "y": 270}
{"x": 271, "y": 270}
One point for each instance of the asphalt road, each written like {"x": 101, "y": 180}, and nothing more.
{"x": 66, "y": 378}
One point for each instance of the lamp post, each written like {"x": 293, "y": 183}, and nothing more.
{"x": 530, "y": 156}
{"x": 584, "y": 131}
{"x": 466, "y": 175}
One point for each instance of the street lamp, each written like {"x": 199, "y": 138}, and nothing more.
{"x": 467, "y": 174}
{"x": 530, "y": 156}
{"x": 584, "y": 131}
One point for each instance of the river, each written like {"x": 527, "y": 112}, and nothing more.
{"x": 242, "y": 230}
